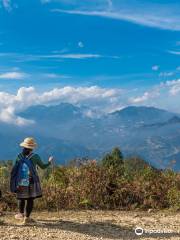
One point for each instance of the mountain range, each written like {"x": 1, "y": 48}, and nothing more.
{"x": 67, "y": 132}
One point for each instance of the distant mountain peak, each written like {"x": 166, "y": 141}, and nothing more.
{"x": 65, "y": 130}
{"x": 135, "y": 109}
{"x": 174, "y": 119}
{"x": 60, "y": 112}
{"x": 142, "y": 115}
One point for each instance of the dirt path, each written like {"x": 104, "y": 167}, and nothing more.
{"x": 80, "y": 225}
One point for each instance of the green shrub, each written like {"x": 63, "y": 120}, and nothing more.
{"x": 173, "y": 196}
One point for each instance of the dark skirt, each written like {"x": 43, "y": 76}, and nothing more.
{"x": 32, "y": 191}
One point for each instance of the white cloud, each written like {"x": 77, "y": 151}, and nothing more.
{"x": 101, "y": 99}
{"x": 166, "y": 74}
{"x": 18, "y": 57}
{"x": 160, "y": 95}
{"x": 7, "y": 115}
{"x": 77, "y": 56}
{"x": 66, "y": 56}
{"x": 146, "y": 97}
{"x": 155, "y": 67}
{"x": 80, "y": 44}
{"x": 9, "y": 104}
{"x": 173, "y": 87}
{"x": 174, "y": 52}
{"x": 13, "y": 75}
{"x": 6, "y": 4}
{"x": 86, "y": 95}
{"x": 54, "y": 76}
{"x": 163, "y": 16}
{"x": 140, "y": 99}
{"x": 147, "y": 20}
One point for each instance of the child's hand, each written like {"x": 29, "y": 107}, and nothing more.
{"x": 51, "y": 159}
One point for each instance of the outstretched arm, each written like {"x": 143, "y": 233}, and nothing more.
{"x": 40, "y": 163}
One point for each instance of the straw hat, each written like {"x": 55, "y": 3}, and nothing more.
{"x": 29, "y": 143}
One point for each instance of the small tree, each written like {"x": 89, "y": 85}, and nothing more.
{"x": 113, "y": 159}
{"x": 136, "y": 164}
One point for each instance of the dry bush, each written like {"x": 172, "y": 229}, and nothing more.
{"x": 94, "y": 186}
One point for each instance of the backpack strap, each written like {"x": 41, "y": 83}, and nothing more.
{"x": 30, "y": 156}
{"x": 21, "y": 156}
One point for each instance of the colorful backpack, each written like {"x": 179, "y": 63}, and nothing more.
{"x": 20, "y": 173}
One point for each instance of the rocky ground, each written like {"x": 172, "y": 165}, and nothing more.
{"x": 86, "y": 225}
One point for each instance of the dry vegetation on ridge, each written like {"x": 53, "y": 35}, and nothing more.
{"x": 111, "y": 184}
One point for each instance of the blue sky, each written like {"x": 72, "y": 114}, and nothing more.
{"x": 111, "y": 44}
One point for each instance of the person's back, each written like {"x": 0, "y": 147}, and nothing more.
{"x": 27, "y": 185}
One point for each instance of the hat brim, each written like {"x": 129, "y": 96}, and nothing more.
{"x": 25, "y": 145}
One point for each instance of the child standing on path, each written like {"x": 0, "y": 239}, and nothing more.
{"x": 24, "y": 179}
